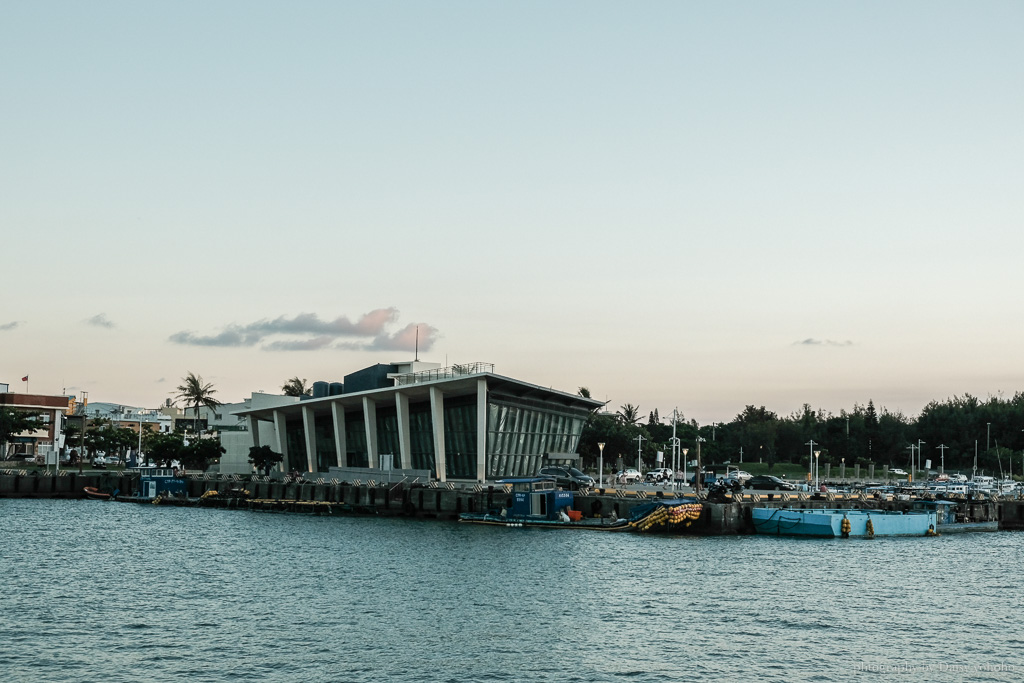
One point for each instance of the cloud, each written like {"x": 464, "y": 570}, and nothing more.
{"x": 99, "y": 320}
{"x": 405, "y": 339}
{"x": 9, "y": 326}
{"x": 307, "y": 332}
{"x": 822, "y": 342}
{"x": 313, "y": 344}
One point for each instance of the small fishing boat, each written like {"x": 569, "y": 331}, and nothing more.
{"x": 538, "y": 502}
{"x": 838, "y": 523}
{"x": 94, "y": 493}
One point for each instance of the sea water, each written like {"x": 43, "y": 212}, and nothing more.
{"x": 100, "y": 591}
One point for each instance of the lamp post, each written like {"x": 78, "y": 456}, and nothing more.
{"x": 639, "y": 453}
{"x": 698, "y": 477}
{"x": 810, "y": 461}
{"x": 685, "y": 452}
{"x": 600, "y": 465}
{"x": 919, "y": 442}
{"x": 842, "y": 469}
{"x": 816, "y": 470}
{"x": 675, "y": 446}
{"x": 912, "y": 462}
{"x": 942, "y": 448}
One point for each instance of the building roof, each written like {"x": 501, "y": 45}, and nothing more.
{"x": 454, "y": 384}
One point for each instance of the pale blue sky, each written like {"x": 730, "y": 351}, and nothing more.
{"x": 657, "y": 200}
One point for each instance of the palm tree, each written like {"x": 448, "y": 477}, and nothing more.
{"x": 296, "y": 387}
{"x": 194, "y": 393}
{"x": 629, "y": 413}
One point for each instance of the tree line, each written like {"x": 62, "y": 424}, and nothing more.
{"x": 862, "y": 435}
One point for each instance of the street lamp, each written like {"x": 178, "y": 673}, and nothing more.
{"x": 842, "y": 469}
{"x": 639, "y": 453}
{"x": 685, "y": 477}
{"x": 698, "y": 477}
{"x": 919, "y": 442}
{"x": 810, "y": 461}
{"x": 600, "y": 466}
{"x": 816, "y": 470}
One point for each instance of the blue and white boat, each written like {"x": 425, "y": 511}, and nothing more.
{"x": 837, "y": 523}
{"x": 538, "y": 502}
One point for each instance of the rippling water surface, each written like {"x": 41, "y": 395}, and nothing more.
{"x": 120, "y": 592}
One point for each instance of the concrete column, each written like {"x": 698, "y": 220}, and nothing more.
{"x": 340, "y": 445}
{"x": 404, "y": 431}
{"x": 309, "y": 428}
{"x": 254, "y": 430}
{"x": 370, "y": 421}
{"x": 282, "y": 440}
{"x": 481, "y": 429}
{"x": 437, "y": 420}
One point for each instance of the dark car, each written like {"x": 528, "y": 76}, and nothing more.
{"x": 766, "y": 482}
{"x": 566, "y": 477}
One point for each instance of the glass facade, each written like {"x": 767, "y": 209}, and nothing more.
{"x": 519, "y": 433}
{"x": 421, "y": 433}
{"x": 295, "y": 437}
{"x": 460, "y": 437}
{"x": 355, "y": 440}
{"x": 326, "y": 454}
{"x": 387, "y": 434}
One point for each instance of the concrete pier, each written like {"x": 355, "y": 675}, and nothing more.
{"x": 446, "y": 502}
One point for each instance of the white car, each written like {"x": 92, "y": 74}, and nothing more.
{"x": 629, "y": 476}
{"x": 739, "y": 475}
{"x": 658, "y": 475}
{"x": 898, "y": 472}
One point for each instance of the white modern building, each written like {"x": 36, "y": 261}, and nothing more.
{"x": 462, "y": 422}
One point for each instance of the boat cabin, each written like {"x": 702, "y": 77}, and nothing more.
{"x": 537, "y": 497}
{"x": 160, "y": 481}
{"x": 945, "y": 510}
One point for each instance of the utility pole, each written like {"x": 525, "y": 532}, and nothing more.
{"x": 639, "y": 453}
{"x": 942, "y": 448}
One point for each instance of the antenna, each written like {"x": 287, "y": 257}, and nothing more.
{"x": 417, "y": 343}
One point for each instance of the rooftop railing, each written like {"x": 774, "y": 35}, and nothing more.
{"x": 444, "y": 373}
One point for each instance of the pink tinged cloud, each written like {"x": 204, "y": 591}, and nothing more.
{"x": 320, "y": 333}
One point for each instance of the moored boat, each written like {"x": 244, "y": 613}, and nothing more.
{"x": 538, "y": 502}
{"x": 838, "y": 523}
{"x": 94, "y": 493}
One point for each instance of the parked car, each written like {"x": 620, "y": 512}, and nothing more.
{"x": 739, "y": 475}
{"x": 658, "y": 475}
{"x": 898, "y": 472}
{"x": 766, "y": 482}
{"x": 566, "y": 477}
{"x": 629, "y": 476}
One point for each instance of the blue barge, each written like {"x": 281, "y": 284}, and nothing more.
{"x": 838, "y": 523}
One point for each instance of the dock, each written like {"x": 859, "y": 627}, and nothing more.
{"x": 446, "y": 501}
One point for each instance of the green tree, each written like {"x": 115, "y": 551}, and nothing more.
{"x": 163, "y": 449}
{"x": 296, "y": 387}
{"x": 200, "y": 453}
{"x": 263, "y": 458}
{"x": 14, "y": 422}
{"x": 197, "y": 394}
{"x": 629, "y": 413}
{"x": 584, "y": 392}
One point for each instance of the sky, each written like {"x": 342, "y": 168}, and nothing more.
{"x": 675, "y": 204}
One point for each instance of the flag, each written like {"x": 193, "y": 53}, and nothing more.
{"x": 25, "y": 378}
